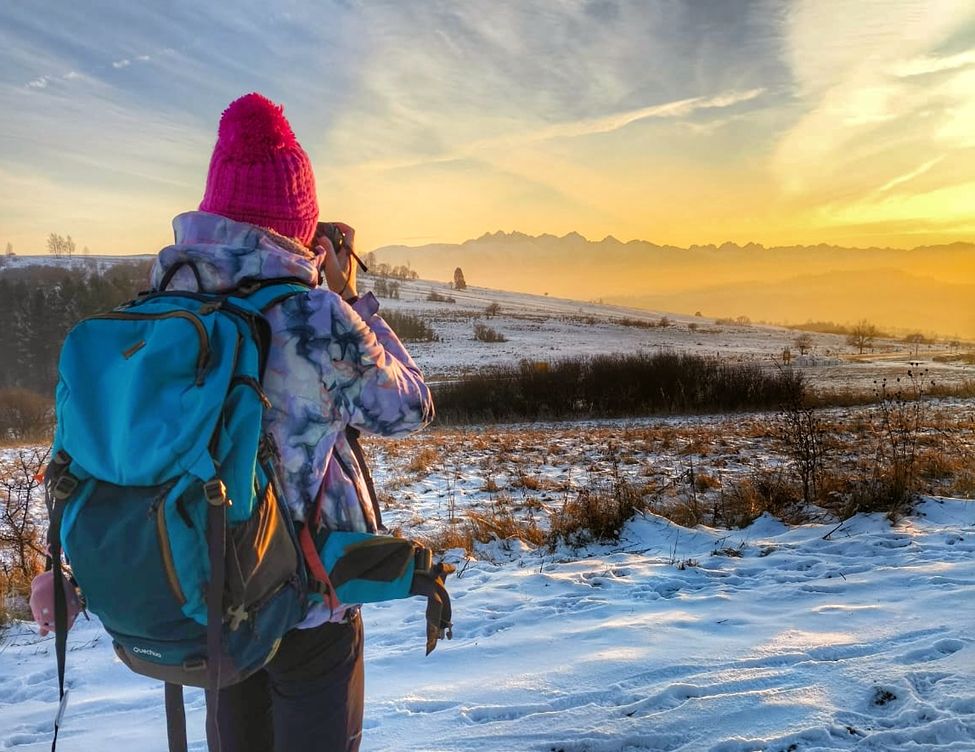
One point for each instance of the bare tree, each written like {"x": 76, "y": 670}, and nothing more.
{"x": 60, "y": 247}
{"x": 803, "y": 343}
{"x": 915, "y": 341}
{"x": 459, "y": 281}
{"x": 862, "y": 335}
{"x": 10, "y": 249}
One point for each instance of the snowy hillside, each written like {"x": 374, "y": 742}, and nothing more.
{"x": 540, "y": 327}
{"x": 763, "y": 640}
{"x": 97, "y": 263}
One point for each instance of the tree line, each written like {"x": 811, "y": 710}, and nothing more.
{"x": 38, "y": 305}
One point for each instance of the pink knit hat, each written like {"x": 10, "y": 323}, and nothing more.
{"x": 259, "y": 173}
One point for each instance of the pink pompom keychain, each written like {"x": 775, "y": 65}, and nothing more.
{"x": 42, "y": 601}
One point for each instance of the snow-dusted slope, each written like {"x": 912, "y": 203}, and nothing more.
{"x": 862, "y": 641}
{"x": 539, "y": 327}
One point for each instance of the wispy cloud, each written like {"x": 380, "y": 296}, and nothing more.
{"x": 124, "y": 63}
{"x": 866, "y": 113}
{"x": 909, "y": 176}
{"x": 922, "y": 66}
{"x": 609, "y": 123}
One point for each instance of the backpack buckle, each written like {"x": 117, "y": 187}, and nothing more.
{"x": 236, "y": 616}
{"x": 215, "y": 492}
{"x": 422, "y": 559}
{"x": 64, "y": 486}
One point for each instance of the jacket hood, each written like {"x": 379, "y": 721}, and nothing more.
{"x": 225, "y": 252}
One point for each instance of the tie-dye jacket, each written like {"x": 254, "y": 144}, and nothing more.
{"x": 330, "y": 365}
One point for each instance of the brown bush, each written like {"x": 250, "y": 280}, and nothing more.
{"x": 686, "y": 511}
{"x": 755, "y": 494}
{"x": 596, "y": 514}
{"x": 423, "y": 460}
{"x": 25, "y": 415}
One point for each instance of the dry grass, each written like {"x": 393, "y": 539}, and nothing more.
{"x": 490, "y": 486}
{"x": 597, "y": 513}
{"x": 422, "y": 461}
{"x": 758, "y": 493}
{"x": 730, "y": 483}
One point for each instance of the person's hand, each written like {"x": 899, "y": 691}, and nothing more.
{"x": 430, "y": 583}
{"x": 340, "y": 269}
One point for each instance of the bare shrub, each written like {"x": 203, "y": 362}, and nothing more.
{"x": 901, "y": 418}
{"x": 22, "y": 549}
{"x": 410, "y": 327}
{"x": 597, "y": 513}
{"x": 484, "y": 333}
{"x": 804, "y": 436}
{"x": 753, "y": 495}
{"x": 963, "y": 485}
{"x": 436, "y": 297}
{"x": 384, "y": 288}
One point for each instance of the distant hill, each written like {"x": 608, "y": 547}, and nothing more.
{"x": 94, "y": 263}
{"x": 930, "y": 288}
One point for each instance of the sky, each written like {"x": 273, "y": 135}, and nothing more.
{"x": 675, "y": 121}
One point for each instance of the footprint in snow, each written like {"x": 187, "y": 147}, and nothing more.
{"x": 934, "y": 652}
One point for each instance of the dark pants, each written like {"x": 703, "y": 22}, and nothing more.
{"x": 309, "y": 698}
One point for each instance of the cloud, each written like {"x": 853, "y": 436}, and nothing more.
{"x": 907, "y": 177}
{"x": 925, "y": 65}
{"x": 866, "y": 114}
{"x": 609, "y": 123}
{"x": 124, "y": 63}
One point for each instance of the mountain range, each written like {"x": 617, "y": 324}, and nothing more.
{"x": 930, "y": 289}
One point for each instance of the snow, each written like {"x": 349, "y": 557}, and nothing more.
{"x": 767, "y": 639}
{"x": 860, "y": 640}
{"x": 540, "y": 327}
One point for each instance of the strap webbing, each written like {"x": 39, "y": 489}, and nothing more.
{"x": 352, "y": 434}
{"x": 315, "y": 567}
{"x": 175, "y": 718}
{"x": 60, "y": 610}
{"x": 216, "y": 542}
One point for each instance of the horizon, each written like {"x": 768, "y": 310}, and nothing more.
{"x": 796, "y": 124}
{"x": 491, "y": 234}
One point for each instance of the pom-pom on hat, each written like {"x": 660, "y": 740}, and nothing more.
{"x": 259, "y": 173}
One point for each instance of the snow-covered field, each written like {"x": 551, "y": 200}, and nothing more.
{"x": 540, "y": 327}
{"x": 861, "y": 641}
{"x": 764, "y": 639}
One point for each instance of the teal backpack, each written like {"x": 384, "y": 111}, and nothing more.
{"x": 162, "y": 491}
{"x": 162, "y": 494}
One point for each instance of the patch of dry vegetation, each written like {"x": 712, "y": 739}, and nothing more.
{"x": 22, "y": 548}
{"x": 581, "y": 482}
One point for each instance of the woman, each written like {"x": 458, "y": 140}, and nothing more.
{"x": 333, "y": 363}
